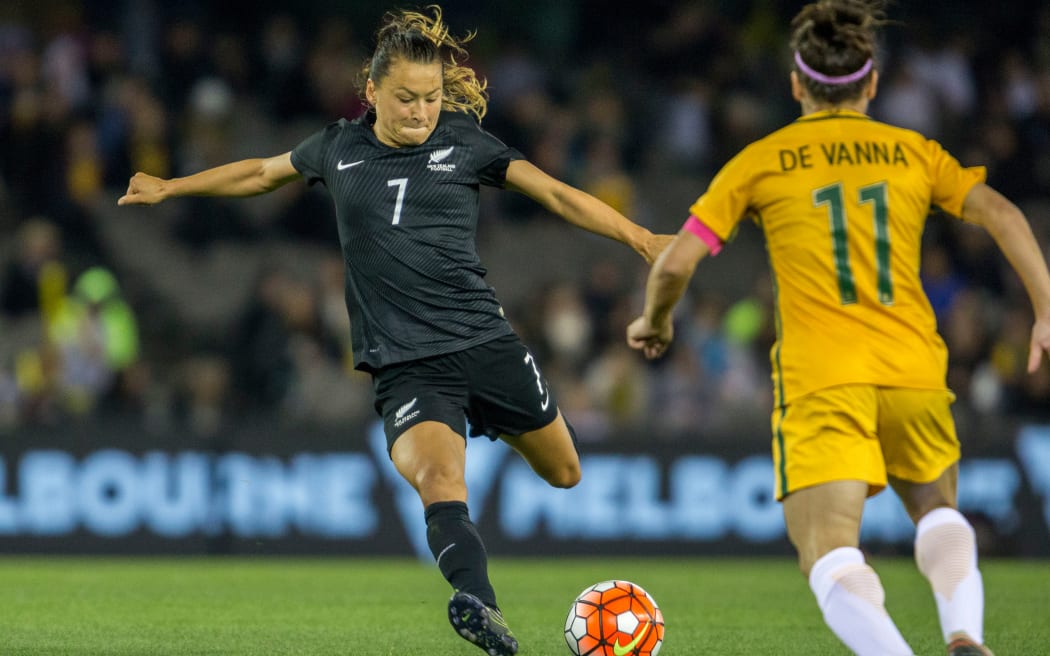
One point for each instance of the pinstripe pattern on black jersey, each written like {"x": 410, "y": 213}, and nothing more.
{"x": 415, "y": 288}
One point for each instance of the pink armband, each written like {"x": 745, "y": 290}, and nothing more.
{"x": 706, "y": 235}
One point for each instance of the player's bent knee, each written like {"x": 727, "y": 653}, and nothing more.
{"x": 565, "y": 477}
{"x": 572, "y": 479}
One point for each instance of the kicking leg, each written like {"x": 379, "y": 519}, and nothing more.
{"x": 551, "y": 452}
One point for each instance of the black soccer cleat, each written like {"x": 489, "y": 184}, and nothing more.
{"x": 481, "y": 625}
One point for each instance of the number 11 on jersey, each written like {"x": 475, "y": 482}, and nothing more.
{"x": 877, "y": 196}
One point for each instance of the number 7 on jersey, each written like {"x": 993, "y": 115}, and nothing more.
{"x": 401, "y": 184}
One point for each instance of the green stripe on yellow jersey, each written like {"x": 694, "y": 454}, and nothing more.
{"x": 844, "y": 200}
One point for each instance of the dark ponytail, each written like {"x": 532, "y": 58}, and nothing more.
{"x": 835, "y": 43}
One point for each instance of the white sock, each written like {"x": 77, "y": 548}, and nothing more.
{"x": 946, "y": 553}
{"x": 851, "y": 597}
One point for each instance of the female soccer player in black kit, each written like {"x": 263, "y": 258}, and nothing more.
{"x": 405, "y": 179}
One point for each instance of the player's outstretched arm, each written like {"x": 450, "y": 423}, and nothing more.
{"x": 652, "y": 332}
{"x": 583, "y": 210}
{"x": 248, "y": 177}
{"x": 1009, "y": 227}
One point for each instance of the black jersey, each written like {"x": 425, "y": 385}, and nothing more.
{"x": 407, "y": 225}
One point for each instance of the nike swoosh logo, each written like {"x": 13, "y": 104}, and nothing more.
{"x": 629, "y": 647}
{"x": 443, "y": 552}
{"x": 546, "y": 399}
{"x": 343, "y": 167}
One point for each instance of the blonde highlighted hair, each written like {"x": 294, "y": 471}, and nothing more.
{"x": 421, "y": 39}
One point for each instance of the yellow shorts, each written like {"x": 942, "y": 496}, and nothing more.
{"x": 863, "y": 432}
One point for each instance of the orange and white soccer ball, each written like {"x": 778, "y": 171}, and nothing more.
{"x": 614, "y": 618}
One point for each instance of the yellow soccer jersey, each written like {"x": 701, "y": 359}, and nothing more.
{"x": 842, "y": 200}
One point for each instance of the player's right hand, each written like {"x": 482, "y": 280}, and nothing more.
{"x": 649, "y": 339}
{"x": 143, "y": 189}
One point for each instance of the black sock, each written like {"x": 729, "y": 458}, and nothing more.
{"x": 458, "y": 549}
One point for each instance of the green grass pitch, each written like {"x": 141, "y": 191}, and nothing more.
{"x": 365, "y": 607}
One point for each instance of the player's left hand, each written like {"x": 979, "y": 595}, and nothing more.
{"x": 1040, "y": 344}
{"x": 654, "y": 245}
{"x": 649, "y": 339}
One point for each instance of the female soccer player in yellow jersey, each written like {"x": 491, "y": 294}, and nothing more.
{"x": 858, "y": 367}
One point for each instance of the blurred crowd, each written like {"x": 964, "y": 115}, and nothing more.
{"x": 201, "y": 312}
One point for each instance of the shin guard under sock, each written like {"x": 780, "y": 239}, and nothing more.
{"x": 458, "y": 549}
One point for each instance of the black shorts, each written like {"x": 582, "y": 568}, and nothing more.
{"x": 496, "y": 386}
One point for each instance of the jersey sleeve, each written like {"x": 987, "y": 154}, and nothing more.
{"x": 727, "y": 198}
{"x": 951, "y": 182}
{"x": 491, "y": 156}
{"x": 308, "y": 156}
